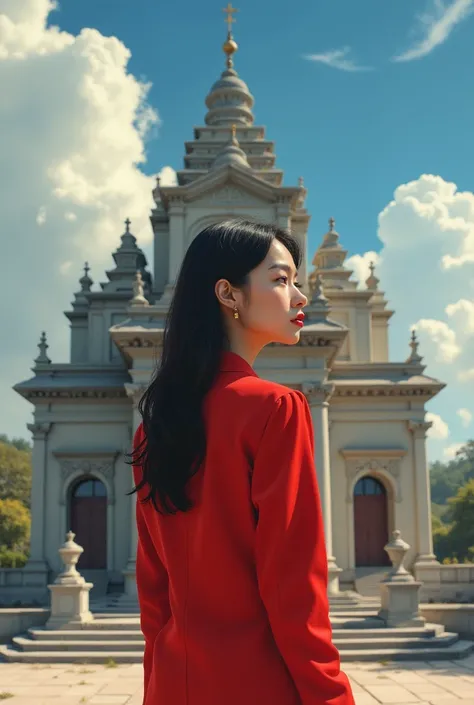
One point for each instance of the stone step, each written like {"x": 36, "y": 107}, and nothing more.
{"x": 378, "y": 641}
{"x": 45, "y": 635}
{"x": 78, "y": 657}
{"x": 89, "y": 645}
{"x": 381, "y": 643}
{"x": 85, "y": 635}
{"x": 458, "y": 650}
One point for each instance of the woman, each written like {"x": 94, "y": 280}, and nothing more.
{"x": 231, "y": 564}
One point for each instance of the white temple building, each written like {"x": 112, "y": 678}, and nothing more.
{"x": 368, "y": 412}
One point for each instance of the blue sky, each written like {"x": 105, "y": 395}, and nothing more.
{"x": 378, "y": 122}
{"x": 354, "y": 136}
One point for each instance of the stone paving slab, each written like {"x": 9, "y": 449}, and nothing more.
{"x": 417, "y": 683}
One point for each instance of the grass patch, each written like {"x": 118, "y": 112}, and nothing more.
{"x": 5, "y": 695}
{"x": 110, "y": 663}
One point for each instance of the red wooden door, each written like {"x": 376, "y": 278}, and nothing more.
{"x": 370, "y": 522}
{"x": 88, "y": 521}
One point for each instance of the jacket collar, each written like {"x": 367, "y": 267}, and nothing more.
{"x": 231, "y": 362}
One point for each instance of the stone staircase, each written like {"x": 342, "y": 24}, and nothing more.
{"x": 115, "y": 635}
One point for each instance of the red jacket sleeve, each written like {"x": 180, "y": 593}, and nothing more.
{"x": 291, "y": 558}
{"x": 152, "y": 580}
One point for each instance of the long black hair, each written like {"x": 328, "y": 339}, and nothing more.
{"x": 194, "y": 338}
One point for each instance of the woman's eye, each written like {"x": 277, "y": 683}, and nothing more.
{"x": 298, "y": 286}
{"x": 283, "y": 279}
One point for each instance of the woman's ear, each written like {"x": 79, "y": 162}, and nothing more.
{"x": 225, "y": 293}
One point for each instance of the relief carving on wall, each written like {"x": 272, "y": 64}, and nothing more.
{"x": 388, "y": 467}
{"x": 74, "y": 468}
{"x": 229, "y": 195}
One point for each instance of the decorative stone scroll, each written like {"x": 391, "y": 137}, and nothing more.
{"x": 39, "y": 430}
{"x": 317, "y": 392}
{"x": 74, "y": 466}
{"x": 387, "y": 464}
{"x": 228, "y": 195}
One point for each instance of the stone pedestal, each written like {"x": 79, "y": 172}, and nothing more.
{"x": 399, "y": 590}
{"x": 70, "y": 592}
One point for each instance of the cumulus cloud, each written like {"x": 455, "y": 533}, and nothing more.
{"x": 442, "y": 338}
{"x": 435, "y": 26}
{"x": 73, "y": 139}
{"x": 439, "y": 429}
{"x": 466, "y": 417}
{"x": 427, "y": 221}
{"x": 338, "y": 59}
{"x": 464, "y": 309}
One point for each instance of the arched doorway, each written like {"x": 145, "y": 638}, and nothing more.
{"x": 370, "y": 522}
{"x": 88, "y": 520}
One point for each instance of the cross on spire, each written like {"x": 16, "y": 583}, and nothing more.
{"x": 332, "y": 224}
{"x": 229, "y": 10}
{"x": 128, "y": 223}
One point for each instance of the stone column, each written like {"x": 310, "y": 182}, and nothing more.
{"x": 318, "y": 396}
{"x": 37, "y": 560}
{"x": 135, "y": 392}
{"x": 426, "y": 567}
{"x": 176, "y": 250}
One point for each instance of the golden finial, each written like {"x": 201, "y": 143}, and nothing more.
{"x": 230, "y": 46}
{"x": 234, "y": 132}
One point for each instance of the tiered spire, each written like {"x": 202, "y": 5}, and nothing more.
{"x": 414, "y": 358}
{"x": 42, "y": 358}
{"x": 329, "y": 261}
{"x": 229, "y": 100}
{"x": 81, "y": 300}
{"x": 128, "y": 259}
{"x": 372, "y": 282}
{"x": 231, "y": 153}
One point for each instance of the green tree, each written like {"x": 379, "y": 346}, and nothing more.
{"x": 15, "y": 473}
{"x": 15, "y": 525}
{"x": 462, "y": 514}
{"x": 18, "y": 443}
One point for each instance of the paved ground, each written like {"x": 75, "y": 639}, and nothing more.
{"x": 441, "y": 683}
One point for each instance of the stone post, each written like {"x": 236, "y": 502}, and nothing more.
{"x": 318, "y": 396}
{"x": 70, "y": 592}
{"x": 36, "y": 569}
{"x": 426, "y": 567}
{"x": 399, "y": 590}
{"x": 135, "y": 392}
{"x": 176, "y": 251}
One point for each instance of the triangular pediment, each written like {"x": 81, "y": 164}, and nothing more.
{"x": 229, "y": 185}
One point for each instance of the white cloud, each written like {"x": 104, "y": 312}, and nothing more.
{"x": 442, "y": 337}
{"x": 466, "y": 375}
{"x": 464, "y": 309}
{"x": 338, "y": 59}
{"x": 449, "y": 453}
{"x": 435, "y": 27}
{"x": 74, "y": 123}
{"x": 439, "y": 429}
{"x": 466, "y": 417}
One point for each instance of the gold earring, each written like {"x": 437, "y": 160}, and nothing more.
{"x": 236, "y": 313}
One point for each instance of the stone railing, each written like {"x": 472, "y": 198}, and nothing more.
{"x": 457, "y": 582}
{"x": 19, "y": 585}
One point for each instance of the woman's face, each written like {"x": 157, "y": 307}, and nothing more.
{"x": 270, "y": 308}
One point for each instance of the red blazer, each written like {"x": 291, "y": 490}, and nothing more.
{"x": 233, "y": 594}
